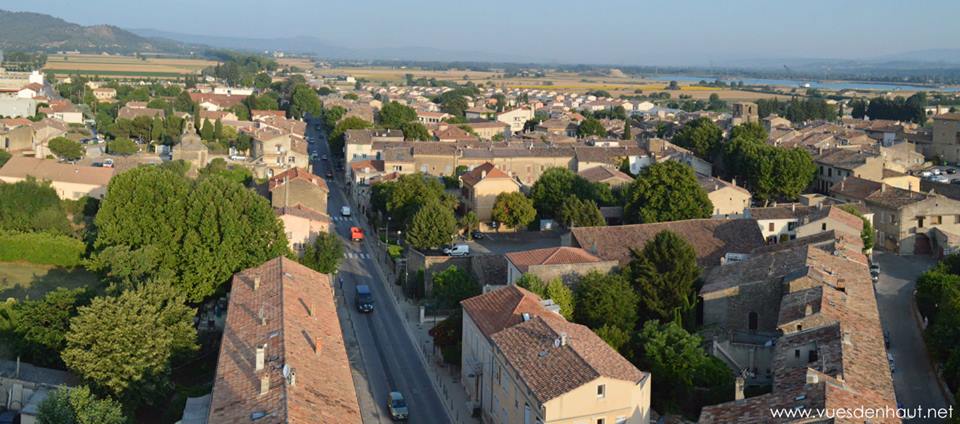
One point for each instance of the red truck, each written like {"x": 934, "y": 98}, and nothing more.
{"x": 356, "y": 234}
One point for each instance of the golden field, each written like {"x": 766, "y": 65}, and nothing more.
{"x": 125, "y": 66}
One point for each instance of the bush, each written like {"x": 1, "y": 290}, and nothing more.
{"x": 41, "y": 248}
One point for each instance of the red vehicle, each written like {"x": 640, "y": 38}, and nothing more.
{"x": 356, "y": 234}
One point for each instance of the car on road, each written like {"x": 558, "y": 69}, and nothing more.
{"x": 324, "y": 157}
{"x": 356, "y": 234}
{"x": 893, "y": 366}
{"x": 107, "y": 163}
{"x": 364, "y": 298}
{"x": 457, "y": 250}
{"x": 330, "y": 175}
{"x": 345, "y": 211}
{"x": 477, "y": 235}
{"x": 940, "y": 179}
{"x": 313, "y": 156}
{"x": 397, "y": 406}
{"x": 951, "y": 171}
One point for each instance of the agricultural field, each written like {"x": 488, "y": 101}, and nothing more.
{"x": 617, "y": 84}
{"x": 124, "y": 66}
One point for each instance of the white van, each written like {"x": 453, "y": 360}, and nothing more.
{"x": 345, "y": 211}
{"x": 457, "y": 250}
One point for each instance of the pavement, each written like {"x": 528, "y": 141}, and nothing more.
{"x": 915, "y": 380}
{"x": 502, "y": 243}
{"x": 387, "y": 349}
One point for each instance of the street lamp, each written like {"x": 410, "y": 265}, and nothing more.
{"x": 386, "y": 230}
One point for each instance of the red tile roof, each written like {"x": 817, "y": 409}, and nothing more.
{"x": 503, "y": 308}
{"x": 289, "y": 309}
{"x": 482, "y": 172}
{"x": 296, "y": 174}
{"x": 550, "y": 256}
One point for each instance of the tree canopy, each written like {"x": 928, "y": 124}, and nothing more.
{"x": 580, "y": 213}
{"x": 65, "y": 148}
{"x": 555, "y": 290}
{"x": 605, "y": 300}
{"x": 42, "y": 324}
{"x": 513, "y": 209}
{"x": 664, "y": 273}
{"x": 452, "y": 285}
{"x": 554, "y": 186}
{"x": 79, "y": 405}
{"x": 324, "y": 254}
{"x": 591, "y": 127}
{"x": 433, "y": 225}
{"x": 666, "y": 191}
{"x": 394, "y": 114}
{"x": 702, "y": 136}
{"x": 31, "y": 205}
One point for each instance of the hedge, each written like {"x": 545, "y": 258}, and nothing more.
{"x": 41, "y": 248}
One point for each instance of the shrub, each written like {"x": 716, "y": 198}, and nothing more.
{"x": 41, "y": 248}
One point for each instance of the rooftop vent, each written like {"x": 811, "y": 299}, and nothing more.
{"x": 525, "y": 316}
{"x": 256, "y": 282}
{"x": 264, "y": 384}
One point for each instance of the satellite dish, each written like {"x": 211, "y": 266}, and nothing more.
{"x": 286, "y": 371}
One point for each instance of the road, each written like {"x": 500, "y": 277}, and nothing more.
{"x": 389, "y": 360}
{"x": 914, "y": 379}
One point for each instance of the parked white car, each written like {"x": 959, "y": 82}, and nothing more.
{"x": 345, "y": 211}
{"x": 457, "y": 250}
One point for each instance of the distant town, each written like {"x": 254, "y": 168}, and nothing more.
{"x": 278, "y": 238}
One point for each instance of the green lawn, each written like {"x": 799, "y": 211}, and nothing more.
{"x": 22, "y": 280}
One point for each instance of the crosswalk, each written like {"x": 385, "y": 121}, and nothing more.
{"x": 352, "y": 255}
{"x": 341, "y": 218}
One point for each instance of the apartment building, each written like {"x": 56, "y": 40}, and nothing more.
{"x": 946, "y": 137}
{"x": 729, "y": 200}
{"x": 482, "y": 185}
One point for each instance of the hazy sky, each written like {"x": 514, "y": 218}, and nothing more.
{"x": 583, "y": 31}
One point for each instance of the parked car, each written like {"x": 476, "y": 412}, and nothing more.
{"x": 477, "y": 235}
{"x": 324, "y": 157}
{"x": 940, "y": 179}
{"x": 108, "y": 163}
{"x": 345, "y": 211}
{"x": 886, "y": 339}
{"x": 457, "y": 250}
{"x": 397, "y": 406}
{"x": 330, "y": 175}
{"x": 951, "y": 171}
{"x": 364, "y": 298}
{"x": 893, "y": 366}
{"x": 926, "y": 174}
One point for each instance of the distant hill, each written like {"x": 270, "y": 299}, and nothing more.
{"x": 35, "y": 31}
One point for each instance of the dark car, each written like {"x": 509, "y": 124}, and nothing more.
{"x": 477, "y": 235}
{"x": 364, "y": 298}
{"x": 951, "y": 170}
{"x": 329, "y": 174}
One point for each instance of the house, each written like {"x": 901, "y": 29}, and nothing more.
{"x": 257, "y": 115}
{"x": 282, "y": 355}
{"x": 104, "y": 94}
{"x": 16, "y": 107}
{"x": 297, "y": 186}
{"x": 427, "y": 117}
{"x": 903, "y": 219}
{"x": 191, "y": 148}
{"x": 478, "y": 112}
{"x": 63, "y": 111}
{"x": 70, "y": 181}
{"x": 25, "y": 386}
{"x": 566, "y": 263}
{"x": 788, "y": 222}
{"x": 30, "y": 91}
{"x": 275, "y": 151}
{"x": 802, "y": 318}
{"x": 213, "y": 116}
{"x": 452, "y": 133}
{"x": 522, "y": 362}
{"x": 482, "y": 185}
{"x": 132, "y": 113}
{"x": 834, "y": 165}
{"x": 728, "y": 199}
{"x": 516, "y": 118}
{"x": 302, "y": 225}
{"x": 711, "y": 239}
{"x": 16, "y": 137}
{"x": 45, "y": 130}
{"x": 358, "y": 144}
{"x": 606, "y": 175}
{"x": 946, "y": 138}
{"x": 214, "y": 102}
{"x": 487, "y": 130}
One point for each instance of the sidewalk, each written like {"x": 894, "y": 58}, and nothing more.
{"x": 445, "y": 378}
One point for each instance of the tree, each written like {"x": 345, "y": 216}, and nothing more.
{"x": 415, "y": 131}
{"x": 513, "y": 209}
{"x": 554, "y": 186}
{"x": 702, "y": 136}
{"x": 432, "y": 226}
{"x": 184, "y": 103}
{"x": 79, "y": 405}
{"x": 591, "y": 127}
{"x": 452, "y": 285}
{"x": 468, "y": 222}
{"x": 304, "y": 101}
{"x": 672, "y": 353}
{"x": 605, "y": 299}
{"x": 667, "y": 191}
{"x": 130, "y": 357}
{"x": 122, "y": 147}
{"x": 664, "y": 274}
{"x": 349, "y": 123}
{"x": 324, "y": 254}
{"x": 751, "y": 130}
{"x": 207, "y": 131}
{"x": 627, "y": 134}
{"x": 394, "y": 114}
{"x": 866, "y": 234}
{"x": 555, "y": 290}
{"x": 42, "y": 324}
{"x": 31, "y": 205}
{"x": 262, "y": 81}
{"x": 4, "y": 157}
{"x": 65, "y": 148}
{"x": 218, "y": 133}
{"x": 402, "y": 198}
{"x": 220, "y": 167}
{"x": 580, "y": 213}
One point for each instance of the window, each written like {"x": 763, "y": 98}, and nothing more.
{"x": 753, "y": 321}
{"x": 770, "y": 227}
{"x": 601, "y": 420}
{"x": 829, "y": 172}
{"x": 812, "y": 356}
{"x": 601, "y": 391}
{"x": 920, "y": 222}
{"x": 796, "y": 353}
{"x": 823, "y": 227}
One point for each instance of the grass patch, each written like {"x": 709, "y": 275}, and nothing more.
{"x": 41, "y": 248}
{"x": 23, "y": 280}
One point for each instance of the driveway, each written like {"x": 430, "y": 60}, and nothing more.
{"x": 914, "y": 380}
{"x": 501, "y": 243}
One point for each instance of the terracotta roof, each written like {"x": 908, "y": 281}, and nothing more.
{"x": 372, "y": 164}
{"x": 598, "y": 174}
{"x": 710, "y": 238}
{"x": 15, "y": 122}
{"x": 875, "y": 193}
{"x": 550, "y": 256}
{"x": 502, "y": 308}
{"x": 132, "y": 113}
{"x": 553, "y": 357}
{"x": 51, "y": 170}
{"x": 948, "y": 116}
{"x": 222, "y": 100}
{"x": 296, "y": 174}
{"x": 482, "y": 172}
{"x": 294, "y": 315}
{"x": 302, "y": 212}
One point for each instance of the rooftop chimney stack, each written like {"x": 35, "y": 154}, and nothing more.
{"x": 261, "y": 354}
{"x": 256, "y": 282}
{"x": 738, "y": 388}
{"x": 264, "y": 384}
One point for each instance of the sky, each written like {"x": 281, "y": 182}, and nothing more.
{"x": 674, "y": 32}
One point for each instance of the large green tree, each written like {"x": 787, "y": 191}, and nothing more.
{"x": 591, "y": 127}
{"x": 605, "y": 300}
{"x": 122, "y": 147}
{"x": 324, "y": 254}
{"x": 415, "y": 131}
{"x": 672, "y": 353}
{"x": 304, "y": 101}
{"x": 65, "y": 148}
{"x": 394, "y": 114}
{"x": 452, "y": 285}
{"x": 31, "y": 205}
{"x": 576, "y": 212}
{"x": 432, "y": 226}
{"x": 335, "y": 140}
{"x": 702, "y": 136}
{"x": 79, "y": 405}
{"x": 124, "y": 344}
{"x": 555, "y": 290}
{"x": 513, "y": 209}
{"x": 42, "y": 324}
{"x": 667, "y": 191}
{"x": 664, "y": 273}
{"x": 554, "y": 186}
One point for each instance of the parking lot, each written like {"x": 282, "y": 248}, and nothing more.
{"x": 941, "y": 174}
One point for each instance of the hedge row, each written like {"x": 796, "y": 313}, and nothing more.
{"x": 41, "y": 248}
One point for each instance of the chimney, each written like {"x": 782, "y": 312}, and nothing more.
{"x": 808, "y": 310}
{"x": 738, "y": 388}
{"x": 264, "y": 384}
{"x": 563, "y": 339}
{"x": 883, "y": 188}
{"x": 846, "y": 339}
{"x": 812, "y": 378}
{"x": 734, "y": 182}
{"x": 261, "y": 353}
{"x": 256, "y": 282}
{"x": 316, "y": 345}
{"x": 793, "y": 207}
{"x": 483, "y": 174}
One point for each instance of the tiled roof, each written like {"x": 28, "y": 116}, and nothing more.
{"x": 289, "y": 309}
{"x": 563, "y": 255}
{"x": 948, "y": 116}
{"x": 296, "y": 174}
{"x": 598, "y": 174}
{"x": 844, "y": 158}
{"x": 553, "y": 357}
{"x": 132, "y": 113}
{"x": 876, "y": 193}
{"x": 482, "y": 172}
{"x": 710, "y": 238}
{"x": 51, "y": 170}
{"x": 372, "y": 164}
{"x": 711, "y": 184}
{"x": 503, "y": 308}
{"x": 303, "y": 212}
